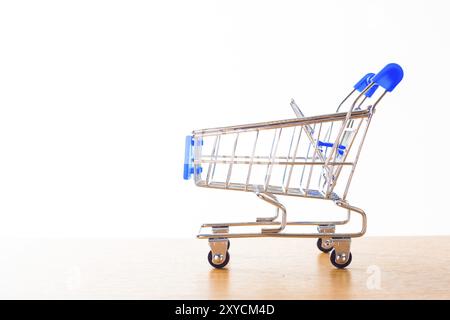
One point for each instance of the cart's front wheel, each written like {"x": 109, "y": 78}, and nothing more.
{"x": 341, "y": 261}
{"x": 218, "y": 261}
{"x": 325, "y": 246}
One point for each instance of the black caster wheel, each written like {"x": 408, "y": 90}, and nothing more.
{"x": 337, "y": 264}
{"x": 219, "y": 265}
{"x": 228, "y": 244}
{"x": 324, "y": 247}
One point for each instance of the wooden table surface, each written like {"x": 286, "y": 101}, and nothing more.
{"x": 382, "y": 268}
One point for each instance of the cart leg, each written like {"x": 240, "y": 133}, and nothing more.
{"x": 325, "y": 244}
{"x": 341, "y": 256}
{"x": 273, "y": 200}
{"x": 219, "y": 257}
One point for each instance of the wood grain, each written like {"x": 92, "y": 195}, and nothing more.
{"x": 382, "y": 268}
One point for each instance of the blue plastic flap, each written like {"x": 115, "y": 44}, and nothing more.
{"x": 389, "y": 77}
{"x": 188, "y": 169}
{"x": 340, "y": 148}
{"x": 188, "y": 158}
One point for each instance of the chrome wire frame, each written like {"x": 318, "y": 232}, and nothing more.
{"x": 331, "y": 163}
{"x": 280, "y": 226}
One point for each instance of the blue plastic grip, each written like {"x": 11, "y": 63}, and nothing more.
{"x": 364, "y": 82}
{"x": 371, "y": 91}
{"x": 389, "y": 77}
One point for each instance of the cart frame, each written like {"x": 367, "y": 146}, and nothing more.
{"x": 218, "y": 234}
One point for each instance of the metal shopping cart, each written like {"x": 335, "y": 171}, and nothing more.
{"x": 311, "y": 157}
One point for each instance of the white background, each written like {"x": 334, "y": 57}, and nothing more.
{"x": 96, "y": 98}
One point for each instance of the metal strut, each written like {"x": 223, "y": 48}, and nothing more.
{"x": 280, "y": 226}
{"x": 270, "y": 198}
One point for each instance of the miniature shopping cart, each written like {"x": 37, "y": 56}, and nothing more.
{"x": 311, "y": 157}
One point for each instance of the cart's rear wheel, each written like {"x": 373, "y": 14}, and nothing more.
{"x": 338, "y": 264}
{"x": 218, "y": 262}
{"x": 324, "y": 246}
{"x": 228, "y": 244}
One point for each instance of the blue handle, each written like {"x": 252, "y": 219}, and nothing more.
{"x": 389, "y": 77}
{"x": 364, "y": 82}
